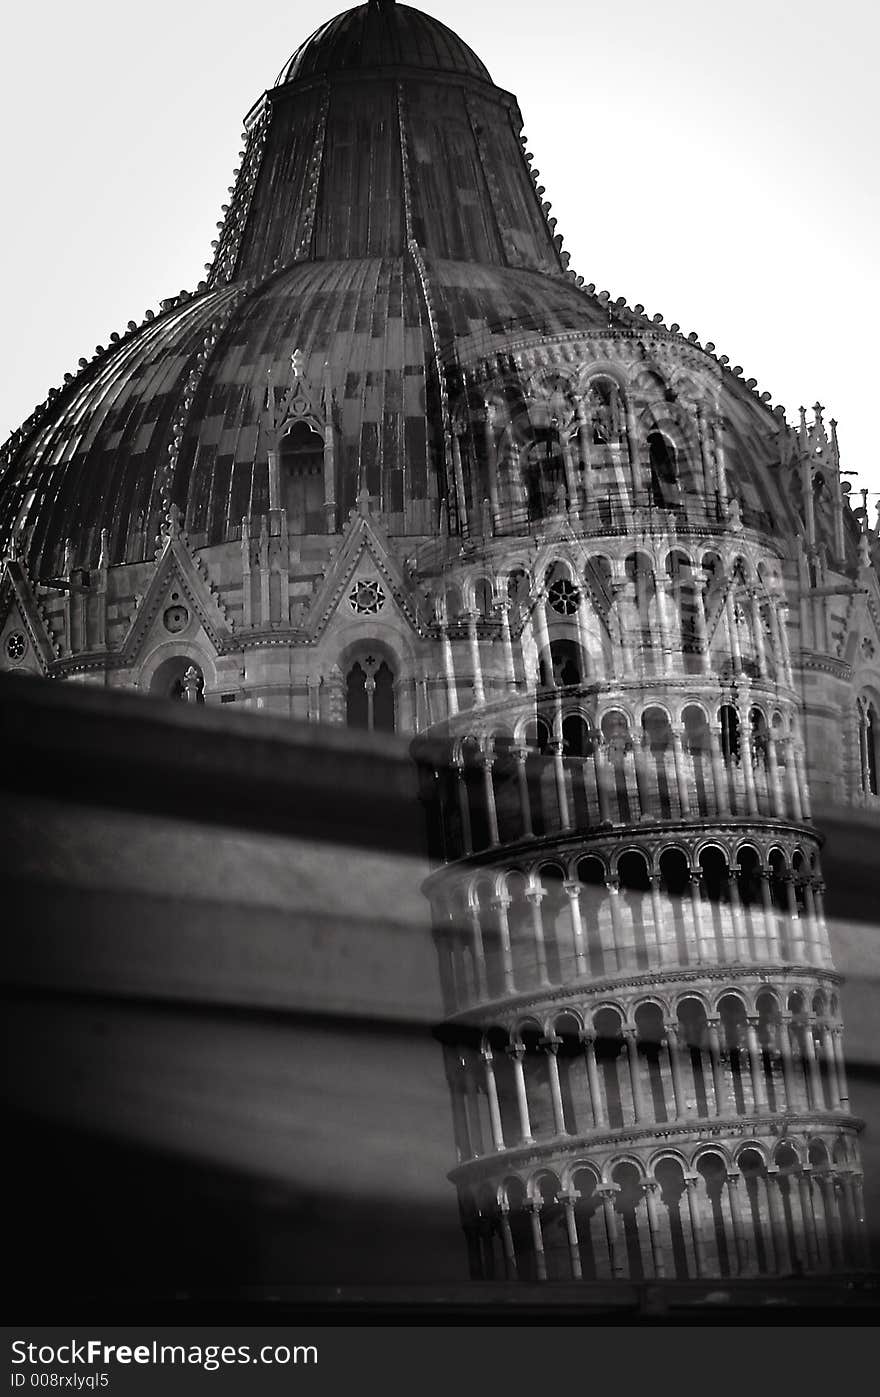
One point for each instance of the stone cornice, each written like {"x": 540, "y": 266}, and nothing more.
{"x": 708, "y": 1128}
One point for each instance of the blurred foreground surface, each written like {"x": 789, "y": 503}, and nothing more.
{"x": 220, "y": 987}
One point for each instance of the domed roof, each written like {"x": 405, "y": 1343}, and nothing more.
{"x": 121, "y": 442}
{"x": 379, "y": 35}
{"x": 386, "y": 236}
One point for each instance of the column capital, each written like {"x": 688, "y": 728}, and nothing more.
{"x": 551, "y": 1042}
{"x": 572, "y": 889}
{"x": 517, "y": 1050}
{"x": 568, "y": 1196}
{"x": 535, "y": 895}
{"x": 500, "y": 903}
{"x": 733, "y": 1176}
{"x": 651, "y": 1185}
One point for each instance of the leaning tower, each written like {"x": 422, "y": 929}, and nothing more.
{"x": 642, "y": 1032}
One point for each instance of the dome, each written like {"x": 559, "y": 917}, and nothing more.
{"x": 382, "y": 34}
{"x": 390, "y": 238}
{"x": 113, "y": 452}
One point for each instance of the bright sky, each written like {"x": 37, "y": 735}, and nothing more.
{"x": 717, "y": 164}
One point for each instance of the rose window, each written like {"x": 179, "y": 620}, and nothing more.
{"x": 564, "y": 597}
{"x": 366, "y": 597}
{"x": 16, "y": 645}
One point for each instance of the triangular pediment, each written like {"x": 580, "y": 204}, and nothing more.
{"x": 20, "y": 614}
{"x": 364, "y": 548}
{"x": 178, "y": 570}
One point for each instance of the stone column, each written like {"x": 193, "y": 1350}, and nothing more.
{"x": 809, "y": 1221}
{"x": 449, "y": 671}
{"x": 803, "y": 783}
{"x": 819, "y": 901}
{"x": 796, "y": 932}
{"x": 841, "y": 1067}
{"x": 640, "y": 764}
{"x": 533, "y": 1207}
{"x": 458, "y": 476}
{"x": 479, "y": 952}
{"x": 664, "y": 942}
{"x": 499, "y": 906}
{"x": 584, "y": 444}
{"x": 747, "y": 761}
{"x": 491, "y": 461}
{"x": 680, "y": 779}
{"x": 831, "y": 1065}
{"x": 733, "y": 631}
{"x": 792, "y": 779}
{"x": 817, "y": 1096}
{"x": 601, "y": 767}
{"x": 612, "y": 887}
{"x": 507, "y": 648}
{"x": 722, "y": 1104}
{"x": 745, "y": 1265}
{"x": 651, "y": 1188}
{"x": 632, "y": 1052}
{"x": 476, "y": 664}
{"x": 720, "y": 466}
{"x": 487, "y": 761}
{"x": 758, "y": 631}
{"x": 615, "y": 1252}
{"x": 719, "y": 770}
{"x": 857, "y": 1197}
{"x": 542, "y": 638}
{"x": 756, "y": 1065}
{"x": 568, "y": 1200}
{"x": 534, "y": 897}
{"x": 561, "y": 793}
{"x": 521, "y": 754}
{"x": 492, "y": 1098}
{"x": 829, "y": 1184}
{"x": 571, "y": 481}
{"x": 551, "y": 1047}
{"x": 737, "y": 916}
{"x": 673, "y": 1048}
{"x": 464, "y": 809}
{"x": 507, "y": 1243}
{"x": 775, "y": 782}
{"x": 777, "y": 1218}
{"x": 769, "y": 910}
{"x": 573, "y": 893}
{"x": 706, "y": 953}
{"x": 791, "y": 1095}
{"x": 691, "y": 1182}
{"x": 517, "y": 1053}
{"x": 597, "y": 1102}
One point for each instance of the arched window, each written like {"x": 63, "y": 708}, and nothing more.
{"x": 302, "y": 479}
{"x": 605, "y": 413}
{"x": 369, "y": 695}
{"x": 869, "y": 738}
{"x": 180, "y": 678}
{"x": 665, "y": 487}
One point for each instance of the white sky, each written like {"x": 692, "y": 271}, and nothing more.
{"x": 717, "y": 164}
